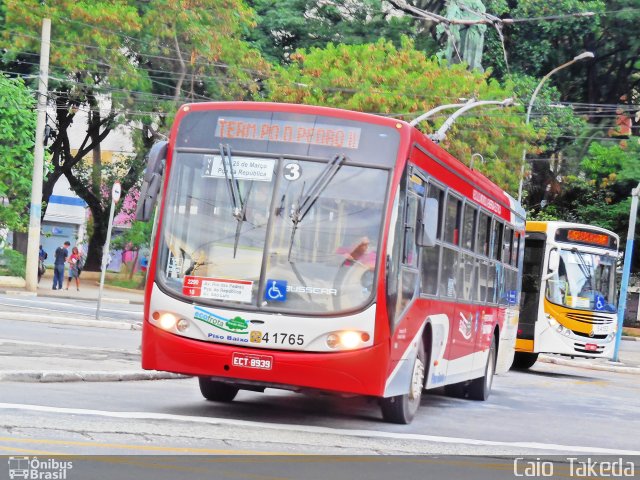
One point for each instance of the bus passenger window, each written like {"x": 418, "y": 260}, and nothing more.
{"x": 449, "y": 275}
{"x": 469, "y": 226}
{"x": 452, "y": 220}
{"x": 506, "y": 244}
{"x": 437, "y": 193}
{"x": 491, "y": 283}
{"x": 484, "y": 228}
{"x": 496, "y": 239}
{"x": 430, "y": 267}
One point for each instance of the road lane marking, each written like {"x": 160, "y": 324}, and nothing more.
{"x": 126, "y": 446}
{"x": 29, "y": 451}
{"x": 8, "y": 341}
{"x": 316, "y": 430}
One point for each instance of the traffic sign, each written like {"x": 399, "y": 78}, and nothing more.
{"x": 115, "y": 191}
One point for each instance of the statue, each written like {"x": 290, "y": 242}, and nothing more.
{"x": 464, "y": 42}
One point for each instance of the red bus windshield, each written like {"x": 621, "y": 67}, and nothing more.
{"x": 267, "y": 216}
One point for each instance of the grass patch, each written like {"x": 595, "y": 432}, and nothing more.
{"x": 134, "y": 283}
{"x": 631, "y": 332}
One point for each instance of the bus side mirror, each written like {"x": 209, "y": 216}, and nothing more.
{"x": 151, "y": 182}
{"x": 554, "y": 264}
{"x": 554, "y": 260}
{"x": 428, "y": 223}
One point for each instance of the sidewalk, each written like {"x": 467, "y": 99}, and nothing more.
{"x": 89, "y": 288}
{"x": 629, "y": 359}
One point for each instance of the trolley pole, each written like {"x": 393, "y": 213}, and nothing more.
{"x": 35, "y": 209}
{"x": 626, "y": 269}
{"x": 115, "y": 196}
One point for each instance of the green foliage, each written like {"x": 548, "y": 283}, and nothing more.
{"x": 617, "y": 162}
{"x": 12, "y": 263}
{"x": 134, "y": 238}
{"x": 287, "y": 25}
{"x": 17, "y": 130}
{"x": 381, "y": 78}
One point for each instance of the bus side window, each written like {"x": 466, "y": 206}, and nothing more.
{"x": 507, "y": 240}
{"x": 452, "y": 220}
{"x": 450, "y": 277}
{"x": 496, "y": 239}
{"x": 468, "y": 226}
{"x": 484, "y": 229}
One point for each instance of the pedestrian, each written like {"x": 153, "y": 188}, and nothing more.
{"x": 74, "y": 268}
{"x": 42, "y": 256}
{"x": 58, "y": 265}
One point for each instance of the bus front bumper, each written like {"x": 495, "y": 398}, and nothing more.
{"x": 360, "y": 372}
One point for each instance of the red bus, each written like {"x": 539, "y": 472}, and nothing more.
{"x": 311, "y": 248}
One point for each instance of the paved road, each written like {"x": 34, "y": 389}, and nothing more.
{"x": 549, "y": 408}
{"x": 77, "y": 308}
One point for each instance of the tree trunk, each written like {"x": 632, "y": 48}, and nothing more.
{"x": 93, "y": 262}
{"x": 20, "y": 240}
{"x": 133, "y": 265}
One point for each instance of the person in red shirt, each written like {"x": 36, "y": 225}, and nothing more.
{"x": 73, "y": 262}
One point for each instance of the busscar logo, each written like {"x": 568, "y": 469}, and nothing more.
{"x": 36, "y": 469}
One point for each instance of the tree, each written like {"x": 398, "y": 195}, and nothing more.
{"x": 126, "y": 61}
{"x": 404, "y": 82}
{"x": 17, "y": 131}
{"x": 285, "y": 26}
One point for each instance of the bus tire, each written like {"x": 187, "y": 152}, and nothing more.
{"x": 402, "y": 408}
{"x": 217, "y": 391}
{"x": 480, "y": 388}
{"x": 524, "y": 360}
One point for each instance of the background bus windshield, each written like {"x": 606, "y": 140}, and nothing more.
{"x": 584, "y": 280}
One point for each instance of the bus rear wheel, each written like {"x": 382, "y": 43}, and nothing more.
{"x": 524, "y": 360}
{"x": 402, "y": 408}
{"x": 480, "y": 388}
{"x": 217, "y": 391}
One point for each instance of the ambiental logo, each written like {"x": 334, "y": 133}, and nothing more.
{"x": 35, "y": 469}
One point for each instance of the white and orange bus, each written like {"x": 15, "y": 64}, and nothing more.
{"x": 311, "y": 248}
{"x": 568, "y": 292}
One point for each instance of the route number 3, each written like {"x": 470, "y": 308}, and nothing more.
{"x": 292, "y": 171}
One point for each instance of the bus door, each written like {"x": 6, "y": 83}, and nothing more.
{"x": 531, "y": 285}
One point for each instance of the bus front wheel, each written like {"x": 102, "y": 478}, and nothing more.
{"x": 402, "y": 408}
{"x": 480, "y": 388}
{"x": 524, "y": 360}
{"x": 217, "y": 391}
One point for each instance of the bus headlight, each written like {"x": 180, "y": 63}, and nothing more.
{"x": 168, "y": 321}
{"x": 347, "y": 340}
{"x": 350, "y": 340}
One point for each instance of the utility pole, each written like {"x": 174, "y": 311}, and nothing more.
{"x": 116, "y": 190}
{"x": 35, "y": 209}
{"x": 626, "y": 269}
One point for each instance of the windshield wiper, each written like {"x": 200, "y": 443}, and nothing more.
{"x": 239, "y": 207}
{"x": 317, "y": 187}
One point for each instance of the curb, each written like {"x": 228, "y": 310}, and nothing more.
{"x": 71, "y": 297}
{"x": 630, "y": 339}
{"x": 63, "y": 376}
{"x": 78, "y": 322}
{"x": 590, "y": 366}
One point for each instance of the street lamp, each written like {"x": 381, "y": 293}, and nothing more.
{"x": 575, "y": 59}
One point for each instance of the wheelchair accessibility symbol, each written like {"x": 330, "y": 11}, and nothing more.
{"x": 276, "y": 290}
{"x": 600, "y": 303}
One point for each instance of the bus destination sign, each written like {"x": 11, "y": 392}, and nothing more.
{"x": 586, "y": 237}
{"x": 262, "y": 129}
